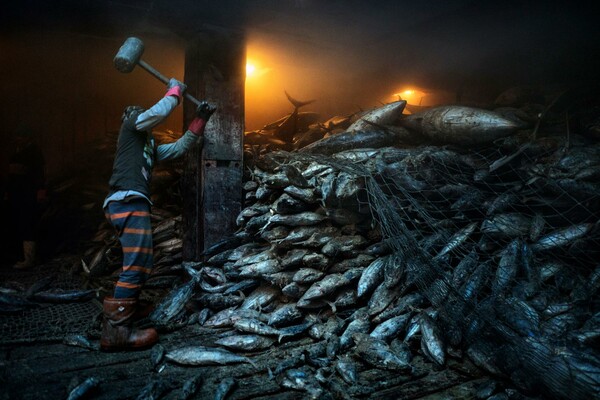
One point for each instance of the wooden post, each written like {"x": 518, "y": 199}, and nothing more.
{"x": 215, "y": 64}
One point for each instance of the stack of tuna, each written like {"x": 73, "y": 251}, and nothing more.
{"x": 423, "y": 242}
{"x": 467, "y": 239}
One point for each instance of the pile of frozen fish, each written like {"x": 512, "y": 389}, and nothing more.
{"x": 453, "y": 232}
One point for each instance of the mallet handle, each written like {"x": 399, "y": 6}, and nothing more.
{"x": 165, "y": 80}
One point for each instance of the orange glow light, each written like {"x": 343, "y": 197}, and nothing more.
{"x": 250, "y": 69}
{"x": 412, "y": 96}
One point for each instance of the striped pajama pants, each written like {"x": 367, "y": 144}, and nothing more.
{"x": 131, "y": 219}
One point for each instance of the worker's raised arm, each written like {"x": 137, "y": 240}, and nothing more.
{"x": 163, "y": 108}
{"x": 195, "y": 130}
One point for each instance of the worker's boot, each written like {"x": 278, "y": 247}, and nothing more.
{"x": 118, "y": 334}
{"x": 29, "y": 248}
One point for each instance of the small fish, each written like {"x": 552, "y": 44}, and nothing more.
{"x": 400, "y": 306}
{"x": 157, "y": 355}
{"x": 259, "y": 269}
{"x": 255, "y": 258}
{"x": 245, "y": 342}
{"x": 64, "y": 296}
{"x": 243, "y": 286}
{"x": 347, "y": 370}
{"x": 360, "y": 324}
{"x": 280, "y": 279}
{"x": 306, "y": 195}
{"x": 39, "y": 285}
{"x": 343, "y": 245}
{"x": 377, "y": 353}
{"x": 391, "y": 328}
{"x": 382, "y": 297}
{"x": 300, "y": 380}
{"x": 562, "y": 237}
{"x": 322, "y": 288}
{"x": 15, "y": 300}
{"x": 507, "y": 267}
{"x": 287, "y": 204}
{"x": 459, "y": 238}
{"x": 217, "y": 301}
{"x": 153, "y": 390}
{"x": 285, "y": 315}
{"x": 172, "y": 304}
{"x": 295, "y": 330}
{"x": 84, "y": 388}
{"x": 306, "y": 218}
{"x": 190, "y": 387}
{"x": 260, "y": 297}
{"x": 307, "y": 275}
{"x": 464, "y": 269}
{"x": 79, "y": 341}
{"x": 294, "y": 290}
{"x": 432, "y": 343}
{"x": 508, "y": 224}
{"x": 333, "y": 346}
{"x": 200, "y": 355}
{"x": 255, "y": 326}
{"x": 325, "y": 330}
{"x": 225, "y": 387}
{"x": 371, "y": 277}
{"x": 226, "y": 318}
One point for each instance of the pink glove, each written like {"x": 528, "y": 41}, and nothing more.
{"x": 203, "y": 113}
{"x": 175, "y": 88}
{"x": 197, "y": 126}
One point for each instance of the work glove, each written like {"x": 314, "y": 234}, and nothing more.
{"x": 175, "y": 88}
{"x": 203, "y": 113}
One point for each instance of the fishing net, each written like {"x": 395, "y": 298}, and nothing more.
{"x": 48, "y": 322}
{"x": 506, "y": 249}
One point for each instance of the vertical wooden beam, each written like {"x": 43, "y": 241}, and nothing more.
{"x": 215, "y": 64}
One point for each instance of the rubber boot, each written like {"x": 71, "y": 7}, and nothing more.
{"x": 29, "y": 248}
{"x": 118, "y": 334}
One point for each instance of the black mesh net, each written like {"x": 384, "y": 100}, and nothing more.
{"x": 504, "y": 243}
{"x": 46, "y": 322}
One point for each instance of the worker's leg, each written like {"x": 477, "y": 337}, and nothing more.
{"x": 132, "y": 221}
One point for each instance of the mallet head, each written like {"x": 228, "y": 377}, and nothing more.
{"x": 129, "y": 54}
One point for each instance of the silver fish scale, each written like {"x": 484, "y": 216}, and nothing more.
{"x": 246, "y": 342}
{"x": 199, "y": 355}
{"x": 378, "y": 354}
{"x": 371, "y": 277}
{"x": 260, "y": 297}
{"x": 255, "y": 326}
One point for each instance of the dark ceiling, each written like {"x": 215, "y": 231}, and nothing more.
{"x": 512, "y": 42}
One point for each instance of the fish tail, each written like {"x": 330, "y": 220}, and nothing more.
{"x": 192, "y": 272}
{"x": 283, "y": 335}
{"x": 332, "y": 305}
{"x": 252, "y": 363}
{"x": 297, "y": 103}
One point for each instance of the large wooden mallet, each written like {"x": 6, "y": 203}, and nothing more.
{"x": 130, "y": 55}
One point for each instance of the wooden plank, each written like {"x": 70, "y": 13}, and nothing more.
{"x": 125, "y": 374}
{"x": 214, "y": 70}
{"x": 222, "y": 199}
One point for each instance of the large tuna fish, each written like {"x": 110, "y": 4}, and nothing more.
{"x": 384, "y": 115}
{"x": 460, "y": 125}
{"x": 356, "y": 140}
